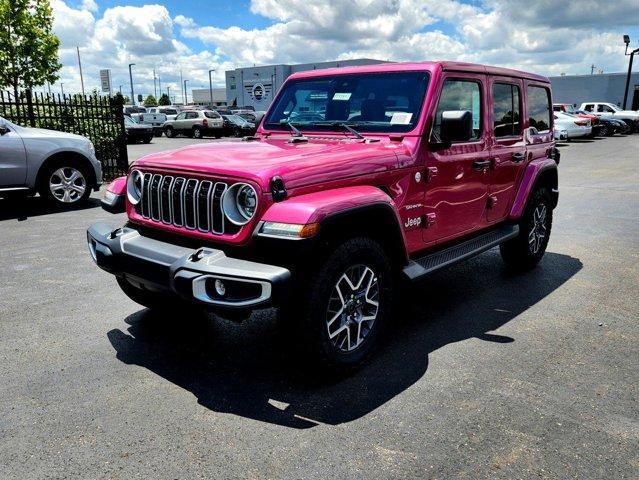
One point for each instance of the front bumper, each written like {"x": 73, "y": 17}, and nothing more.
{"x": 189, "y": 273}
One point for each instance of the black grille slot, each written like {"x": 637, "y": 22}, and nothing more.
{"x": 203, "y": 212}
{"x": 217, "y": 215}
{"x": 176, "y": 201}
{"x": 165, "y": 199}
{"x": 154, "y": 193}
{"x": 190, "y": 205}
{"x": 146, "y": 197}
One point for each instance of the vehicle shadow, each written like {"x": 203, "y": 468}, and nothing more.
{"x": 22, "y": 208}
{"x": 247, "y": 370}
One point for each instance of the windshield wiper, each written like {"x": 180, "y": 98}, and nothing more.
{"x": 296, "y": 134}
{"x": 343, "y": 125}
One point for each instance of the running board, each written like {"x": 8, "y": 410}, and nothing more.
{"x": 432, "y": 262}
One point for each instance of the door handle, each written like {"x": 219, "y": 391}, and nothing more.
{"x": 518, "y": 157}
{"x": 481, "y": 164}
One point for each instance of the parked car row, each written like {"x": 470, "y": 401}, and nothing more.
{"x": 593, "y": 119}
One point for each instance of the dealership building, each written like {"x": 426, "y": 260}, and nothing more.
{"x": 255, "y": 86}
{"x": 202, "y": 96}
{"x": 603, "y": 87}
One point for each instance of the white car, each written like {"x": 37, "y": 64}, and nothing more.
{"x": 170, "y": 112}
{"x": 60, "y": 166}
{"x": 605, "y": 109}
{"x": 574, "y": 126}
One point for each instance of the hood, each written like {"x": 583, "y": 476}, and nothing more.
{"x": 299, "y": 164}
{"x": 43, "y": 132}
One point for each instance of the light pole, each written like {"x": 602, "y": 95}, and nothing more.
{"x": 168, "y": 94}
{"x": 131, "y": 80}
{"x": 80, "y": 65}
{"x": 626, "y": 40}
{"x": 211, "y": 88}
{"x": 62, "y": 88}
{"x": 155, "y": 91}
{"x": 186, "y": 99}
{"x": 120, "y": 89}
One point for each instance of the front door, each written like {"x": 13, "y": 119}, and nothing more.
{"x": 508, "y": 149}
{"x": 457, "y": 187}
{"x": 13, "y": 160}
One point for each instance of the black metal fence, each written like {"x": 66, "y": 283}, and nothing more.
{"x": 101, "y": 119}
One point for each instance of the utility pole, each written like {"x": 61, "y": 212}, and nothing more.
{"x": 626, "y": 40}
{"x": 131, "y": 80}
{"x": 120, "y": 89}
{"x": 211, "y": 88}
{"x": 155, "y": 92}
{"x": 592, "y": 69}
{"x": 181, "y": 83}
{"x": 62, "y": 88}
{"x": 186, "y": 99}
{"x": 168, "y": 94}
{"x": 80, "y": 65}
{"x": 159, "y": 85}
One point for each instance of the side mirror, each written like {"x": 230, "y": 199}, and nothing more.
{"x": 456, "y": 126}
{"x": 4, "y": 129}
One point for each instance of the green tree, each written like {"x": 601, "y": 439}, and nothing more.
{"x": 164, "y": 100}
{"x": 28, "y": 46}
{"x": 150, "y": 101}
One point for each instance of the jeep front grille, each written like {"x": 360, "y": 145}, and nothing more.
{"x": 183, "y": 202}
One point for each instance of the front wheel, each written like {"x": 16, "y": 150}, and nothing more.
{"x": 346, "y": 306}
{"x": 526, "y": 250}
{"x": 65, "y": 184}
{"x": 197, "y": 132}
{"x": 169, "y": 132}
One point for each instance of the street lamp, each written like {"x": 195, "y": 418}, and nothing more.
{"x": 131, "y": 80}
{"x": 168, "y": 94}
{"x": 185, "y": 97}
{"x": 62, "y": 88}
{"x": 211, "y": 87}
{"x": 626, "y": 40}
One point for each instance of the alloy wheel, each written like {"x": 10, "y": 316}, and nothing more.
{"x": 537, "y": 232}
{"x": 352, "y": 308}
{"x": 67, "y": 184}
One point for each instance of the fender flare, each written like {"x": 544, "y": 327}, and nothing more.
{"x": 543, "y": 170}
{"x": 366, "y": 209}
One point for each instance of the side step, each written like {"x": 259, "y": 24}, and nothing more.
{"x": 432, "y": 262}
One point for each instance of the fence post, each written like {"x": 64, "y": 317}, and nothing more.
{"x": 30, "y": 113}
{"x": 117, "y": 107}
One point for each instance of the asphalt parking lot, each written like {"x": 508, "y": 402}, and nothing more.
{"x": 159, "y": 144}
{"x": 488, "y": 375}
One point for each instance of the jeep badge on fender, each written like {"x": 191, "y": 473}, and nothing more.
{"x": 307, "y": 215}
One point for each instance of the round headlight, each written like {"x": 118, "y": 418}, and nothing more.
{"x": 134, "y": 187}
{"x": 240, "y": 203}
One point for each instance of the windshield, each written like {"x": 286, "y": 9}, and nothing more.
{"x": 371, "y": 102}
{"x": 129, "y": 121}
{"x": 168, "y": 111}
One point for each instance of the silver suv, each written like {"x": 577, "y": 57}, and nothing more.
{"x": 60, "y": 166}
{"x": 196, "y": 124}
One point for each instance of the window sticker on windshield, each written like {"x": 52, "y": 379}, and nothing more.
{"x": 342, "y": 96}
{"x": 401, "y": 118}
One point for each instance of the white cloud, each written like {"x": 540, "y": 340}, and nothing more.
{"x": 541, "y": 37}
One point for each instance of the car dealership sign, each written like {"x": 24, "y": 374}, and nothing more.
{"x": 105, "y": 80}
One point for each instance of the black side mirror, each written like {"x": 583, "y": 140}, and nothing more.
{"x": 456, "y": 126}
{"x": 4, "y": 129}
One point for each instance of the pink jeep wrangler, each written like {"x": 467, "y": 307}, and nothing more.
{"x": 357, "y": 180}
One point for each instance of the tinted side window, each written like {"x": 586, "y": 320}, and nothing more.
{"x": 191, "y": 115}
{"x": 539, "y": 108}
{"x": 589, "y": 107}
{"x": 506, "y": 114}
{"x": 181, "y": 116}
{"x": 460, "y": 95}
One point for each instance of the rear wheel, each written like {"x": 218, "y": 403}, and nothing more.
{"x": 65, "y": 183}
{"x": 604, "y": 131}
{"x": 526, "y": 250}
{"x": 169, "y": 132}
{"x": 148, "y": 139}
{"x": 197, "y": 132}
{"x": 345, "y": 306}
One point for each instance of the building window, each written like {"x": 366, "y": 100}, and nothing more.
{"x": 232, "y": 86}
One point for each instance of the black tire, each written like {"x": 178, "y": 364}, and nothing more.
{"x": 161, "y": 302}
{"x": 317, "y": 304}
{"x": 148, "y": 139}
{"x": 45, "y": 179}
{"x": 604, "y": 132}
{"x": 197, "y": 133}
{"x": 169, "y": 132}
{"x": 523, "y": 253}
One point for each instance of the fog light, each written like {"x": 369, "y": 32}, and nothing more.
{"x": 220, "y": 288}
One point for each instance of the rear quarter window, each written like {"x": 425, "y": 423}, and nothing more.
{"x": 538, "y": 108}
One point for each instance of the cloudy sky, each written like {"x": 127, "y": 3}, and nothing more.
{"x": 193, "y": 36}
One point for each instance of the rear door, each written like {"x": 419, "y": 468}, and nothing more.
{"x": 13, "y": 159}
{"x": 508, "y": 150}
{"x": 455, "y": 200}
{"x": 179, "y": 122}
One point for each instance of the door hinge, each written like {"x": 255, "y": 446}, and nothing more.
{"x": 492, "y": 201}
{"x": 430, "y": 219}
